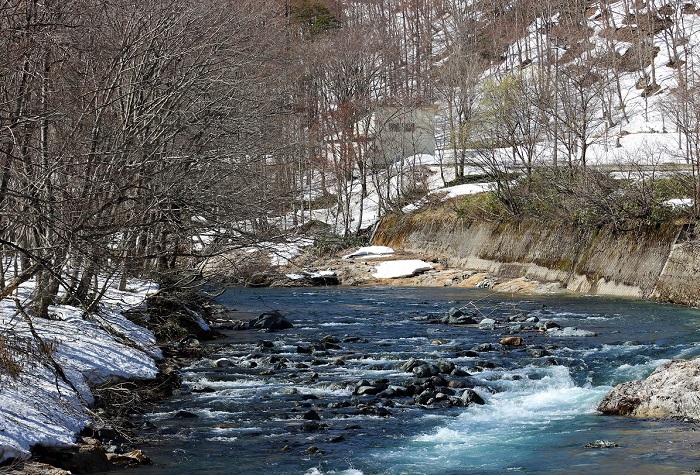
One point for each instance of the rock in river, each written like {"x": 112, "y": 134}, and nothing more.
{"x": 457, "y": 316}
{"x": 469, "y": 396}
{"x": 511, "y": 341}
{"x": 269, "y": 321}
{"x": 672, "y": 390}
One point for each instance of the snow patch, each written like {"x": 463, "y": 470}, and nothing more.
{"x": 43, "y": 408}
{"x": 401, "y": 268}
{"x": 370, "y": 251}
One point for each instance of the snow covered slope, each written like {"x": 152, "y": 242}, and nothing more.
{"x": 42, "y": 408}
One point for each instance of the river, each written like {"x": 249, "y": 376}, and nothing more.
{"x": 255, "y": 416}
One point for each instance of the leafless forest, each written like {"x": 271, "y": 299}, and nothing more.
{"x": 130, "y": 128}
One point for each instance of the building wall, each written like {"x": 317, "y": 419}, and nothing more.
{"x": 402, "y": 132}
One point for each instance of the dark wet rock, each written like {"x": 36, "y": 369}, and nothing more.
{"x": 203, "y": 389}
{"x": 445, "y": 367}
{"x": 426, "y": 370}
{"x": 410, "y": 364}
{"x": 313, "y": 450}
{"x": 469, "y": 396}
{"x": 396, "y": 391}
{"x": 600, "y": 444}
{"x": 269, "y": 322}
{"x": 549, "y": 324}
{"x": 312, "y": 426}
{"x": 354, "y": 339}
{"x": 367, "y": 391}
{"x": 372, "y": 410}
{"x": 671, "y": 391}
{"x": 329, "y": 339}
{"x": 336, "y": 439}
{"x": 457, "y": 384}
{"x": 304, "y": 350}
{"x": 484, "y": 347}
{"x": 424, "y": 397}
{"x": 329, "y": 346}
{"x": 312, "y": 416}
{"x": 185, "y": 415}
{"x": 484, "y": 364}
{"x": 446, "y": 391}
{"x": 458, "y": 373}
{"x": 365, "y": 388}
{"x": 436, "y": 381}
{"x": 536, "y": 352}
{"x": 456, "y": 316}
{"x": 75, "y": 459}
{"x": 266, "y": 346}
{"x": 466, "y": 354}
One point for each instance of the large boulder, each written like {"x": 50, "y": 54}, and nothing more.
{"x": 671, "y": 391}
{"x": 270, "y": 322}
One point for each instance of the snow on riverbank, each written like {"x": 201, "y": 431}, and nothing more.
{"x": 40, "y": 407}
{"x": 400, "y": 268}
{"x": 369, "y": 252}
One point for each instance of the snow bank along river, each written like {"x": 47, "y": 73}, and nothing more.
{"x": 40, "y": 407}
{"x": 288, "y": 402}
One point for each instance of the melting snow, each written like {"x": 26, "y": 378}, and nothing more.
{"x": 401, "y": 268}
{"x": 42, "y": 408}
{"x": 370, "y": 251}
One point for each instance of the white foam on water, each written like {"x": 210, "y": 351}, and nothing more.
{"x": 689, "y": 352}
{"x": 350, "y": 471}
{"x": 341, "y": 324}
{"x": 511, "y": 423}
{"x": 628, "y": 372}
{"x": 222, "y": 439}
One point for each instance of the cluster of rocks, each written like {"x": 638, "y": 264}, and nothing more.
{"x": 513, "y": 323}
{"x": 422, "y": 383}
{"x": 430, "y": 385}
{"x": 97, "y": 449}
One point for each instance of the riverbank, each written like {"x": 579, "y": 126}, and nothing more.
{"x": 80, "y": 377}
{"x": 361, "y": 271}
{"x": 658, "y": 262}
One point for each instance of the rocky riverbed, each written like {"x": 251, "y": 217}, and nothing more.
{"x": 410, "y": 369}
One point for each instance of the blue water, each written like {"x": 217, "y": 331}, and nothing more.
{"x": 539, "y": 411}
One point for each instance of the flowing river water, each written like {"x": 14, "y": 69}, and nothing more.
{"x": 254, "y": 416}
